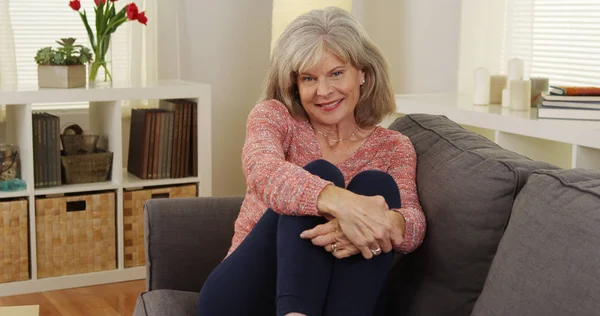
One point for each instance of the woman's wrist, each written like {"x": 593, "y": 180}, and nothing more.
{"x": 329, "y": 199}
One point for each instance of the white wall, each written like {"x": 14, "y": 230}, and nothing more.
{"x": 420, "y": 39}
{"x": 225, "y": 44}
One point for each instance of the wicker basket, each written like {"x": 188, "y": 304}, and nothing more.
{"x": 79, "y": 144}
{"x": 133, "y": 209}
{"x": 75, "y": 234}
{"x": 14, "y": 246}
{"x": 87, "y": 168}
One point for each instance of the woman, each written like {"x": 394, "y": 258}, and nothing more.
{"x": 323, "y": 212}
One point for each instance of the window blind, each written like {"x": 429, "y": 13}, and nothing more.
{"x": 40, "y": 23}
{"x": 558, "y": 39}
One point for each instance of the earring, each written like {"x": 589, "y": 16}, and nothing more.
{"x": 363, "y": 81}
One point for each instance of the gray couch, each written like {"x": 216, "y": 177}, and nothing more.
{"x": 506, "y": 235}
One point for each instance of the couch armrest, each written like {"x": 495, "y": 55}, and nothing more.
{"x": 185, "y": 239}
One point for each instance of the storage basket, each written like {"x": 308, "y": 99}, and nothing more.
{"x": 75, "y": 234}
{"x": 133, "y": 221}
{"x": 79, "y": 144}
{"x": 87, "y": 168}
{"x": 14, "y": 241}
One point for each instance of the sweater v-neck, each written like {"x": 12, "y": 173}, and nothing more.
{"x": 353, "y": 156}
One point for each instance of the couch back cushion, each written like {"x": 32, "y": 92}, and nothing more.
{"x": 467, "y": 186}
{"x": 548, "y": 261}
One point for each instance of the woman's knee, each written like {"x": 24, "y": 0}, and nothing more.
{"x": 376, "y": 182}
{"x": 326, "y": 171}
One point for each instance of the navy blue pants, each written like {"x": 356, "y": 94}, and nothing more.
{"x": 275, "y": 272}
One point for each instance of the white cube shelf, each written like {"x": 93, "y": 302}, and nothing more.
{"x": 105, "y": 119}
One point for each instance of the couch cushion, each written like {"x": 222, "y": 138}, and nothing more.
{"x": 467, "y": 186}
{"x": 167, "y": 303}
{"x": 549, "y": 258}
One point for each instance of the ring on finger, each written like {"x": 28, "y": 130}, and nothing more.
{"x": 376, "y": 251}
{"x": 333, "y": 248}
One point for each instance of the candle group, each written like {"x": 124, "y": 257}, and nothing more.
{"x": 511, "y": 90}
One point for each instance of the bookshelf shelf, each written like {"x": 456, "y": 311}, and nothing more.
{"x": 13, "y": 194}
{"x": 77, "y": 188}
{"x": 131, "y": 181}
{"x": 565, "y": 143}
{"x": 106, "y": 117}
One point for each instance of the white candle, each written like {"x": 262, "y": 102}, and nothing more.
{"x": 497, "y": 84}
{"x": 520, "y": 95}
{"x": 482, "y": 87}
{"x": 516, "y": 69}
{"x": 505, "y": 98}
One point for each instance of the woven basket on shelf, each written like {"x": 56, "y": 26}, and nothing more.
{"x": 75, "y": 234}
{"x": 79, "y": 144}
{"x": 87, "y": 168}
{"x": 14, "y": 249}
{"x": 133, "y": 221}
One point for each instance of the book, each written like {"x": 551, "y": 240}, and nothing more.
{"x": 568, "y": 113}
{"x": 575, "y": 98}
{"x": 574, "y": 91}
{"x": 573, "y": 105}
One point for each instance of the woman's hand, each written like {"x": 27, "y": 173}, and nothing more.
{"x": 365, "y": 220}
{"x": 329, "y": 234}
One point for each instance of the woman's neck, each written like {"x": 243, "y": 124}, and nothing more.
{"x": 336, "y": 133}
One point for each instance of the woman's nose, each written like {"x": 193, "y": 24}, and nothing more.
{"x": 323, "y": 88}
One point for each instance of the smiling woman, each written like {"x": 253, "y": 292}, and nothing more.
{"x": 331, "y": 196}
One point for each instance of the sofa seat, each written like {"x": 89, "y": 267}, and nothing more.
{"x": 167, "y": 303}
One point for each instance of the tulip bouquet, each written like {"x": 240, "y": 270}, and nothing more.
{"x": 107, "y": 22}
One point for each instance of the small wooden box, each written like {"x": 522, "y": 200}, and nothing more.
{"x": 75, "y": 234}
{"x": 14, "y": 241}
{"x": 73, "y": 76}
{"x": 133, "y": 219}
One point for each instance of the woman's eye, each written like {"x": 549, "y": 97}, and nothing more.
{"x": 337, "y": 73}
{"x": 307, "y": 79}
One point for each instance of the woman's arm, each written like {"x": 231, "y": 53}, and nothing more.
{"x": 403, "y": 168}
{"x": 285, "y": 187}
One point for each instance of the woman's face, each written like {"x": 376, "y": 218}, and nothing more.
{"x": 330, "y": 91}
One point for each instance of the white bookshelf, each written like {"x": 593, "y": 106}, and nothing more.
{"x": 564, "y": 143}
{"x": 105, "y": 118}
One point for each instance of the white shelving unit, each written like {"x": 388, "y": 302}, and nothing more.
{"x": 105, "y": 119}
{"x": 564, "y": 143}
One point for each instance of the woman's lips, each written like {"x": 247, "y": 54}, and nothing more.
{"x": 330, "y": 106}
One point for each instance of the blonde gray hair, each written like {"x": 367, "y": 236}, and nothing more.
{"x": 301, "y": 46}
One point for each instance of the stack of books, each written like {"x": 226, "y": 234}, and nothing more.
{"x": 163, "y": 142}
{"x": 46, "y": 150}
{"x": 571, "y": 103}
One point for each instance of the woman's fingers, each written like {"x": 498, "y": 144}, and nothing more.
{"x": 319, "y": 230}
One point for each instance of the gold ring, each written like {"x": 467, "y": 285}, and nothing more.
{"x": 333, "y": 248}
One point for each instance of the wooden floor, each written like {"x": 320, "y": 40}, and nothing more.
{"x": 116, "y": 299}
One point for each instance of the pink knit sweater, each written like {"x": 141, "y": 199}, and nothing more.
{"x": 276, "y": 148}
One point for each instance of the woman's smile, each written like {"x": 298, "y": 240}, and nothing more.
{"x": 330, "y": 106}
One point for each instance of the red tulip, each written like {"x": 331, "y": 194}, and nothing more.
{"x": 141, "y": 17}
{"x": 113, "y": 0}
{"x": 132, "y": 11}
{"x": 75, "y": 5}
{"x": 98, "y": 2}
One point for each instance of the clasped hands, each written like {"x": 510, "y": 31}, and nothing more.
{"x": 361, "y": 224}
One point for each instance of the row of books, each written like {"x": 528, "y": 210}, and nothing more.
{"x": 46, "y": 150}
{"x": 163, "y": 141}
{"x": 571, "y": 103}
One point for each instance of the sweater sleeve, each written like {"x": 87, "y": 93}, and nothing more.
{"x": 403, "y": 169}
{"x": 285, "y": 187}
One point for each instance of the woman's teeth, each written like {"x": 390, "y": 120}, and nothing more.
{"x": 330, "y": 105}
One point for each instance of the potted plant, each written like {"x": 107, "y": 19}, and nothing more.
{"x": 63, "y": 67}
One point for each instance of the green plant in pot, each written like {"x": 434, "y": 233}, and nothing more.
{"x": 63, "y": 67}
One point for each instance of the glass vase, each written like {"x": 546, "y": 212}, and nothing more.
{"x": 100, "y": 71}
